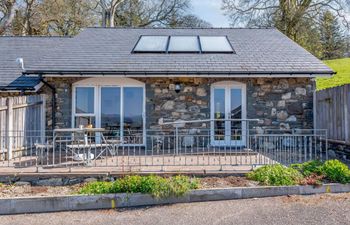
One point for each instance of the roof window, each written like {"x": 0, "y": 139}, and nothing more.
{"x": 183, "y": 44}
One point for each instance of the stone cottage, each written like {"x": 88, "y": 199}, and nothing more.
{"x": 134, "y": 80}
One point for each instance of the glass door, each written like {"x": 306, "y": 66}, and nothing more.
{"x": 235, "y": 113}
{"x": 122, "y": 113}
{"x": 110, "y": 111}
{"x": 133, "y": 124}
{"x": 227, "y": 111}
{"x": 220, "y": 131}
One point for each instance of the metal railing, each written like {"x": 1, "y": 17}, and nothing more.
{"x": 166, "y": 149}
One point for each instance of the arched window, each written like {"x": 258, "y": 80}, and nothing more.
{"x": 116, "y": 104}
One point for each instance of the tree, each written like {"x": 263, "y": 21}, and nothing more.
{"x": 190, "y": 20}
{"x": 284, "y": 14}
{"x": 28, "y": 13}
{"x": 52, "y": 17}
{"x": 7, "y": 14}
{"x": 157, "y": 13}
{"x": 66, "y": 17}
{"x": 108, "y": 11}
{"x": 332, "y": 38}
{"x": 149, "y": 13}
{"x": 309, "y": 37}
{"x": 26, "y": 19}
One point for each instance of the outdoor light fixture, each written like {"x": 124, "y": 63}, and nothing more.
{"x": 177, "y": 87}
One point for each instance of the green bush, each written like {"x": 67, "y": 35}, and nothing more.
{"x": 179, "y": 185}
{"x": 155, "y": 185}
{"x": 309, "y": 168}
{"x": 336, "y": 171}
{"x": 97, "y": 187}
{"x": 276, "y": 175}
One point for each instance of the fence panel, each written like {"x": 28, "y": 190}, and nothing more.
{"x": 171, "y": 151}
{"x": 21, "y": 117}
{"x": 333, "y": 112}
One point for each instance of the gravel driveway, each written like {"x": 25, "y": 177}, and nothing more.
{"x": 318, "y": 209}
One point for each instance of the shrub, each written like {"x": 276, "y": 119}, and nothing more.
{"x": 309, "y": 168}
{"x": 336, "y": 171}
{"x": 155, "y": 185}
{"x": 276, "y": 175}
{"x": 96, "y": 187}
{"x": 179, "y": 185}
{"x": 313, "y": 179}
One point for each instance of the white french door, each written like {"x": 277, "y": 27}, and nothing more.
{"x": 228, "y": 101}
{"x": 121, "y": 113}
{"x": 120, "y": 109}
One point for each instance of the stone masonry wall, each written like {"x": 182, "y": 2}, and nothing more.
{"x": 279, "y": 103}
{"x": 63, "y": 102}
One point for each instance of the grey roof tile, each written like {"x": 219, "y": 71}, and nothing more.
{"x": 28, "y": 48}
{"x": 109, "y": 49}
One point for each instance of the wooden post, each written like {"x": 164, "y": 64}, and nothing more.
{"x": 9, "y": 131}
{"x": 346, "y": 103}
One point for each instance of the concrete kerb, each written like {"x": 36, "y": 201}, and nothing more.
{"x": 112, "y": 201}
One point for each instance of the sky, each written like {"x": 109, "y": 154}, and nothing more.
{"x": 210, "y": 11}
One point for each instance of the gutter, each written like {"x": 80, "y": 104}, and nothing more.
{"x": 16, "y": 89}
{"x": 34, "y": 89}
{"x": 176, "y": 73}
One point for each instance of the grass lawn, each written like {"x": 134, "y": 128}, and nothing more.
{"x": 342, "y": 67}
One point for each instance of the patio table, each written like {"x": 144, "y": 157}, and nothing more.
{"x": 107, "y": 145}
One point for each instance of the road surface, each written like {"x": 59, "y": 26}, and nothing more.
{"x": 327, "y": 209}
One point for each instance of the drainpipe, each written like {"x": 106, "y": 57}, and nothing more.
{"x": 53, "y": 105}
{"x": 314, "y": 103}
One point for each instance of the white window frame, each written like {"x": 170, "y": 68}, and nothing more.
{"x": 75, "y": 114}
{"x": 228, "y": 85}
{"x": 99, "y": 83}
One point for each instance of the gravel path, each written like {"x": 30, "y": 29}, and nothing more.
{"x": 330, "y": 209}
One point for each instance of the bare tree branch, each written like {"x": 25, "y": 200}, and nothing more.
{"x": 290, "y": 12}
{"x": 7, "y": 14}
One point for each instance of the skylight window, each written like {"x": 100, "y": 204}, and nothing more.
{"x": 183, "y": 44}
{"x": 152, "y": 44}
{"x": 215, "y": 44}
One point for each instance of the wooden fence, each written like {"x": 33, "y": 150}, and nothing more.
{"x": 21, "y": 118}
{"x": 333, "y": 112}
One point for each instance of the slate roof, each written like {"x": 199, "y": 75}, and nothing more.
{"x": 109, "y": 51}
{"x": 28, "y": 48}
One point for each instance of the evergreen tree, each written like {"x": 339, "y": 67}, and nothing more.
{"x": 331, "y": 37}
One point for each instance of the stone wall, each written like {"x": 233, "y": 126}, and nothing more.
{"x": 63, "y": 102}
{"x": 165, "y": 105}
{"x": 279, "y": 103}
{"x": 337, "y": 150}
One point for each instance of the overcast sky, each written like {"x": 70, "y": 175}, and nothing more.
{"x": 210, "y": 11}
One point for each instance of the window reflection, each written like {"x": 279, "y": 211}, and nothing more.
{"x": 110, "y": 110}
{"x": 133, "y": 119}
{"x": 236, "y": 113}
{"x": 129, "y": 128}
{"x": 84, "y": 100}
{"x": 219, "y": 113}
